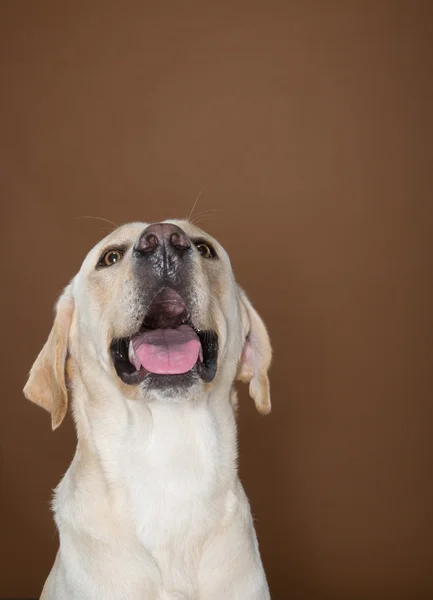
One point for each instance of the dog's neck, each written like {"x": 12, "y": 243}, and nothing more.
{"x": 108, "y": 422}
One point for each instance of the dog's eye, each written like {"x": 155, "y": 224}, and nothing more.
{"x": 205, "y": 250}
{"x": 110, "y": 258}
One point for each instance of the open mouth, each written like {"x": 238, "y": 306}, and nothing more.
{"x": 167, "y": 349}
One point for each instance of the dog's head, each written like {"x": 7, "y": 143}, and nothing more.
{"x": 156, "y": 312}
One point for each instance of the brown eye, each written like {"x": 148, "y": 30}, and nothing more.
{"x": 111, "y": 257}
{"x": 204, "y": 250}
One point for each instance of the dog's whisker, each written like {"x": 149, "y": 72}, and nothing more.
{"x": 207, "y": 210}
{"x": 203, "y": 215}
{"x": 204, "y": 218}
{"x": 100, "y": 219}
{"x": 194, "y": 205}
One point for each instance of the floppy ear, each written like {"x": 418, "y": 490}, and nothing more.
{"x": 256, "y": 357}
{"x": 46, "y": 385}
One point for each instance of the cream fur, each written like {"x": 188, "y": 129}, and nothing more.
{"x": 151, "y": 507}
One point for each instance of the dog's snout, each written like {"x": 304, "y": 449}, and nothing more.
{"x": 166, "y": 235}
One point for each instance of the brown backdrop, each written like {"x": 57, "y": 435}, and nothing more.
{"x": 308, "y": 127}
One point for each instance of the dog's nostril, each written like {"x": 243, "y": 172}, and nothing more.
{"x": 147, "y": 243}
{"x": 179, "y": 240}
{"x": 151, "y": 242}
{"x": 163, "y": 235}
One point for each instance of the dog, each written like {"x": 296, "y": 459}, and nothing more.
{"x": 147, "y": 343}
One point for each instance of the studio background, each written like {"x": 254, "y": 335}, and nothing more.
{"x": 307, "y": 126}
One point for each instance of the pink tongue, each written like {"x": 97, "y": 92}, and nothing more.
{"x": 168, "y": 351}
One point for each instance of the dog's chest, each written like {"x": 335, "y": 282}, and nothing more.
{"x": 173, "y": 480}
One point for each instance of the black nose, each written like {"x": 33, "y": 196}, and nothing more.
{"x": 162, "y": 236}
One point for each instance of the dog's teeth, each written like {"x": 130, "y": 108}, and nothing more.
{"x": 133, "y": 359}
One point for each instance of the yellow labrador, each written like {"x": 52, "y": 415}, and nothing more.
{"x": 147, "y": 342}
